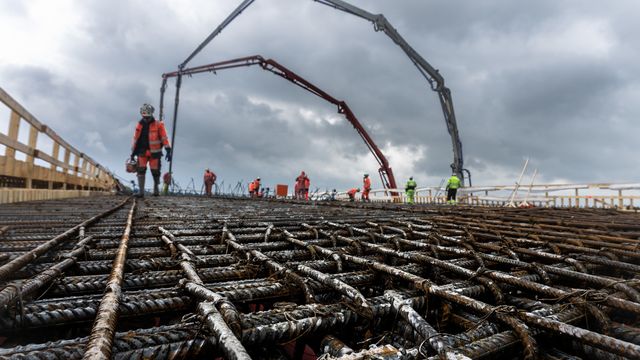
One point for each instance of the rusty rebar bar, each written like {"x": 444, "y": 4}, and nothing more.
{"x": 103, "y": 331}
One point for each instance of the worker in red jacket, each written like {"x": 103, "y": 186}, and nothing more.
{"x": 352, "y": 193}
{"x": 149, "y": 138}
{"x": 302, "y": 185}
{"x": 366, "y": 185}
{"x": 209, "y": 180}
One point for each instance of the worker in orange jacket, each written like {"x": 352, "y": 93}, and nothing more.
{"x": 352, "y": 194}
{"x": 366, "y": 185}
{"x": 254, "y": 187}
{"x": 307, "y": 185}
{"x": 149, "y": 138}
{"x": 209, "y": 179}
{"x": 302, "y": 186}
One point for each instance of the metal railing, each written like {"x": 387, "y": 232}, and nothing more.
{"x": 597, "y": 195}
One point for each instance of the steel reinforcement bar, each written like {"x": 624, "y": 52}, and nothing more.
{"x": 264, "y": 279}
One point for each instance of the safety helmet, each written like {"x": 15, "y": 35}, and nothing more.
{"x": 365, "y": 175}
{"x": 358, "y": 190}
{"x": 258, "y": 178}
{"x": 207, "y": 169}
{"x": 146, "y": 110}
{"x": 131, "y": 165}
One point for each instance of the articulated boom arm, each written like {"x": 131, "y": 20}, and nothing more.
{"x": 386, "y": 174}
{"x": 431, "y": 74}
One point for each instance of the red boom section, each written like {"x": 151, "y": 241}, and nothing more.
{"x": 386, "y": 175}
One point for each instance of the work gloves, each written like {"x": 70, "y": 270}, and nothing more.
{"x": 168, "y": 155}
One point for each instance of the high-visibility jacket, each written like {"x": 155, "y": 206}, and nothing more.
{"x": 209, "y": 177}
{"x": 256, "y": 185}
{"x": 352, "y": 192}
{"x": 302, "y": 181}
{"x": 307, "y": 182}
{"x": 411, "y": 185}
{"x": 157, "y": 138}
{"x": 252, "y": 186}
{"x": 453, "y": 182}
{"x": 367, "y": 183}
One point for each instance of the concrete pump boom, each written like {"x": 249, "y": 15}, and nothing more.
{"x": 380, "y": 23}
{"x": 386, "y": 174}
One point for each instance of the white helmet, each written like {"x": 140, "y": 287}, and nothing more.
{"x": 146, "y": 110}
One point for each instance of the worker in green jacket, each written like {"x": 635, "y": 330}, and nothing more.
{"x": 452, "y": 188}
{"x": 410, "y": 190}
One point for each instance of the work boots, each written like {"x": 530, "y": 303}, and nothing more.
{"x": 156, "y": 183}
{"x": 141, "y": 179}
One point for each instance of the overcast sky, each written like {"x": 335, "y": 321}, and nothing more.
{"x": 555, "y": 81}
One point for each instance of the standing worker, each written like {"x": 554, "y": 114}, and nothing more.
{"x": 410, "y": 190}
{"x": 209, "y": 180}
{"x": 366, "y": 185}
{"x": 307, "y": 185}
{"x": 302, "y": 186}
{"x": 166, "y": 181}
{"x": 254, "y": 187}
{"x": 149, "y": 138}
{"x": 352, "y": 194}
{"x": 452, "y": 188}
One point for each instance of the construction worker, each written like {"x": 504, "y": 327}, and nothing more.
{"x": 209, "y": 180}
{"x": 410, "y": 190}
{"x": 149, "y": 138}
{"x": 254, "y": 187}
{"x": 366, "y": 185}
{"x": 166, "y": 181}
{"x": 452, "y": 188}
{"x": 307, "y": 184}
{"x": 352, "y": 194}
{"x": 302, "y": 186}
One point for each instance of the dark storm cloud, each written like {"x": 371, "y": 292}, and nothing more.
{"x": 525, "y": 82}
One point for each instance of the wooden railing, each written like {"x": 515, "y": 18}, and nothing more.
{"x": 74, "y": 170}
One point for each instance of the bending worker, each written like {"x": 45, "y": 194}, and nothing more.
{"x": 352, "y": 194}
{"x": 149, "y": 138}
{"x": 410, "y": 190}
{"x": 209, "y": 180}
{"x": 366, "y": 186}
{"x": 452, "y": 188}
{"x": 254, "y": 187}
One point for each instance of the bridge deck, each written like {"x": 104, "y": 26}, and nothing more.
{"x": 289, "y": 278}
